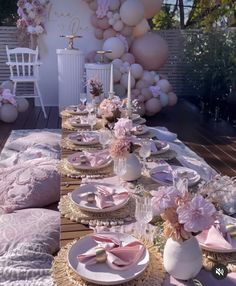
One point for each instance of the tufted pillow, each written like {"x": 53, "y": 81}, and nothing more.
{"x": 31, "y": 226}
{"x": 47, "y": 138}
{"x": 35, "y": 183}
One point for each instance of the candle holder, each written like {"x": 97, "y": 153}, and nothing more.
{"x": 102, "y": 54}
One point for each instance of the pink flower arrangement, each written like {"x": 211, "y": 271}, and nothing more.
{"x": 123, "y": 127}
{"x": 110, "y": 107}
{"x": 31, "y": 14}
{"x": 120, "y": 148}
{"x": 7, "y": 97}
{"x": 184, "y": 214}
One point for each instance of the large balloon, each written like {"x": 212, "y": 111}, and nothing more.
{"x": 151, "y": 7}
{"x": 152, "y": 106}
{"x": 150, "y": 50}
{"x": 116, "y": 46}
{"x": 131, "y": 12}
{"x": 141, "y": 29}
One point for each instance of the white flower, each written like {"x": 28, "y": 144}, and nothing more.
{"x": 30, "y": 29}
{"x": 32, "y": 15}
{"x": 39, "y": 29}
{"x": 28, "y": 7}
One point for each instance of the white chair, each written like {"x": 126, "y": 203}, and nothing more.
{"x": 24, "y": 68}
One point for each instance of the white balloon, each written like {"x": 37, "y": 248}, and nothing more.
{"x": 117, "y": 63}
{"x": 122, "y": 69}
{"x": 164, "y": 85}
{"x": 124, "y": 80}
{"x": 116, "y": 16}
{"x": 126, "y": 65}
{"x": 136, "y": 71}
{"x": 118, "y": 26}
{"x": 141, "y": 29}
{"x": 22, "y": 104}
{"x": 116, "y": 75}
{"x": 156, "y": 78}
{"x": 114, "y": 5}
{"x": 8, "y": 113}
{"x": 164, "y": 99}
{"x": 131, "y": 12}
{"x": 116, "y": 46}
{"x": 148, "y": 77}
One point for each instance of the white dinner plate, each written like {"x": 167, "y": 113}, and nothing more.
{"x": 86, "y": 166}
{"x": 162, "y": 147}
{"x": 101, "y": 273}
{"x": 75, "y": 138}
{"x": 191, "y": 181}
{"x": 79, "y": 197}
{"x": 73, "y": 109}
{"x": 227, "y": 220}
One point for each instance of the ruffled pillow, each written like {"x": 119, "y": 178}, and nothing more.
{"x": 47, "y": 138}
{"x": 35, "y": 183}
{"x": 30, "y": 226}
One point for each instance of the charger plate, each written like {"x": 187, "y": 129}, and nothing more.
{"x": 105, "y": 275}
{"x": 63, "y": 275}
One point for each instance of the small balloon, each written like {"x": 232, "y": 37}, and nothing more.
{"x": 135, "y": 91}
{"x": 164, "y": 99}
{"x": 128, "y": 58}
{"x": 109, "y": 33}
{"x": 127, "y": 31}
{"x": 22, "y": 104}
{"x": 98, "y": 34}
{"x": 141, "y": 29}
{"x": 141, "y": 84}
{"x": 152, "y": 106}
{"x": 173, "y": 99}
{"x": 148, "y": 77}
{"x": 8, "y": 113}
{"x": 146, "y": 93}
{"x": 117, "y": 63}
{"x": 164, "y": 85}
{"x": 136, "y": 71}
{"x": 116, "y": 75}
{"x": 118, "y": 26}
{"x": 103, "y": 23}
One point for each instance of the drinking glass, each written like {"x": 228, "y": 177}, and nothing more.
{"x": 143, "y": 214}
{"x": 145, "y": 152}
{"x": 83, "y": 98}
{"x": 120, "y": 167}
{"x": 90, "y": 107}
{"x": 105, "y": 137}
{"x": 92, "y": 119}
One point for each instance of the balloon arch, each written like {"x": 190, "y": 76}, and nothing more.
{"x": 124, "y": 29}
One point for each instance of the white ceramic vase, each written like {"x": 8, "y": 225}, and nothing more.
{"x": 182, "y": 260}
{"x": 134, "y": 168}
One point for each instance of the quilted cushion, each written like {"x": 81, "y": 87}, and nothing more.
{"x": 46, "y": 138}
{"x": 30, "y": 226}
{"x": 35, "y": 183}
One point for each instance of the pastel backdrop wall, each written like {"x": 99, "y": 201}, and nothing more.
{"x": 63, "y": 17}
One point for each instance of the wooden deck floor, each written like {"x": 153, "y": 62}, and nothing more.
{"x": 214, "y": 141}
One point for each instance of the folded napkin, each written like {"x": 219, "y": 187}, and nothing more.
{"x": 119, "y": 256}
{"x": 201, "y": 167}
{"x": 163, "y": 134}
{"x": 97, "y": 159}
{"x": 214, "y": 237}
{"x": 105, "y": 197}
{"x": 162, "y": 172}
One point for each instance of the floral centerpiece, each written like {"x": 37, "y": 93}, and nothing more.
{"x": 185, "y": 215}
{"x": 110, "y": 108}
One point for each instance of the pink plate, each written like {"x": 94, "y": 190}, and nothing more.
{"x": 75, "y": 138}
{"x": 101, "y": 273}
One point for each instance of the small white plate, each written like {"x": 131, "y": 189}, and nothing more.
{"x": 74, "y": 138}
{"x": 86, "y": 166}
{"x": 192, "y": 181}
{"x": 79, "y": 197}
{"x": 227, "y": 220}
{"x": 101, "y": 273}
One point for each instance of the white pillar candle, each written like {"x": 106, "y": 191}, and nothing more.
{"x": 111, "y": 79}
{"x": 129, "y": 93}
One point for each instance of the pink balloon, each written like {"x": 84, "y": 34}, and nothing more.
{"x": 127, "y": 31}
{"x": 146, "y": 93}
{"x": 98, "y": 33}
{"x": 152, "y": 106}
{"x": 128, "y": 58}
{"x": 103, "y": 23}
{"x": 141, "y": 84}
{"x": 109, "y": 33}
{"x": 173, "y": 99}
{"x": 151, "y": 7}
{"x": 150, "y": 50}
{"x": 94, "y": 20}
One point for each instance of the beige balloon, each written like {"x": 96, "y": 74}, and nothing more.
{"x": 141, "y": 29}
{"x": 151, "y": 7}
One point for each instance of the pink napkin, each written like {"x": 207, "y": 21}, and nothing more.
{"x": 214, "y": 237}
{"x": 119, "y": 256}
{"x": 97, "y": 159}
{"x": 163, "y": 173}
{"x": 105, "y": 197}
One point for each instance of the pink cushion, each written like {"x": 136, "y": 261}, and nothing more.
{"x": 35, "y": 183}
{"x": 32, "y": 226}
{"x": 49, "y": 139}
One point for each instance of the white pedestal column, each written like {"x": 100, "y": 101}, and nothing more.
{"x": 101, "y": 72}
{"x": 70, "y": 76}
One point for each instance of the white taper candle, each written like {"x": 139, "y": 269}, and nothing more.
{"x": 111, "y": 79}
{"x": 129, "y": 92}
